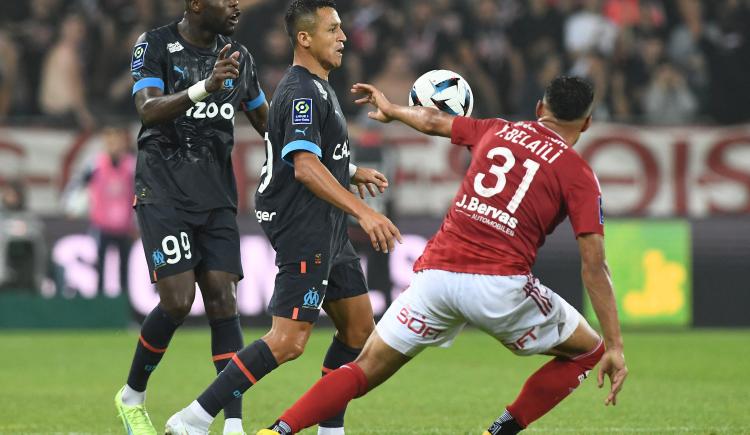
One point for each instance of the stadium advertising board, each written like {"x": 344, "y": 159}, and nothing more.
{"x": 651, "y": 171}
{"x": 76, "y": 256}
{"x": 651, "y": 269}
{"x": 643, "y": 171}
{"x": 666, "y": 272}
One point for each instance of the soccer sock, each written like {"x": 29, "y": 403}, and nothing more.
{"x": 232, "y": 425}
{"x": 226, "y": 340}
{"x": 131, "y": 397}
{"x": 330, "y": 430}
{"x": 196, "y": 416}
{"x": 326, "y": 398}
{"x": 156, "y": 332}
{"x": 246, "y": 368}
{"x": 338, "y": 355}
{"x": 282, "y": 428}
{"x": 551, "y": 384}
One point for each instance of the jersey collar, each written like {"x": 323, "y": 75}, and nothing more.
{"x": 550, "y": 132}
{"x": 307, "y": 71}
{"x": 201, "y": 50}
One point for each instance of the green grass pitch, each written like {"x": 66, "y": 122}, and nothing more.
{"x": 680, "y": 382}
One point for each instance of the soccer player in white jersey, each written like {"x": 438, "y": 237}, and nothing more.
{"x": 524, "y": 179}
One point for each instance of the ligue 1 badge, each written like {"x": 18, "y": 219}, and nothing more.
{"x": 302, "y": 111}
{"x": 139, "y": 56}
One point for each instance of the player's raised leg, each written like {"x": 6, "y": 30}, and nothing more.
{"x": 176, "y": 293}
{"x": 553, "y": 382}
{"x": 354, "y": 323}
{"x": 330, "y": 395}
{"x": 389, "y": 347}
{"x": 219, "y": 290}
{"x": 575, "y": 353}
{"x": 284, "y": 342}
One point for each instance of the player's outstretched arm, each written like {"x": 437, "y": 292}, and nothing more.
{"x": 425, "y": 119}
{"x": 598, "y": 283}
{"x": 309, "y": 171}
{"x": 155, "y": 108}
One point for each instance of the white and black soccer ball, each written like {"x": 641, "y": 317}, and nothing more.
{"x": 444, "y": 90}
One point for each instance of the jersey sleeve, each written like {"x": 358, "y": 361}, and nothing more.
{"x": 254, "y": 96}
{"x": 147, "y": 63}
{"x": 467, "y": 131}
{"x": 304, "y": 115}
{"x": 583, "y": 200}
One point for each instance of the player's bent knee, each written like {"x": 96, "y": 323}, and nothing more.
{"x": 221, "y": 305}
{"x": 176, "y": 295}
{"x": 590, "y": 359}
{"x": 177, "y": 310}
{"x": 356, "y": 336}
{"x": 286, "y": 347}
{"x": 291, "y": 351}
{"x": 177, "y": 305}
{"x": 582, "y": 341}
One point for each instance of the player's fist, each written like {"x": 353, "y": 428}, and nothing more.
{"x": 225, "y": 68}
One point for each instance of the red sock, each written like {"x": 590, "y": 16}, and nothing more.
{"x": 327, "y": 397}
{"x": 551, "y": 384}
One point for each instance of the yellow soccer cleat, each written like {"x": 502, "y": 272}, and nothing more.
{"x": 134, "y": 418}
{"x": 486, "y": 433}
{"x": 267, "y": 432}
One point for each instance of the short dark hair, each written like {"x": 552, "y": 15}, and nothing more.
{"x": 569, "y": 98}
{"x": 301, "y": 13}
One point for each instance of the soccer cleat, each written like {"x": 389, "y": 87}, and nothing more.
{"x": 267, "y": 432}
{"x": 176, "y": 425}
{"x": 486, "y": 433}
{"x": 134, "y": 418}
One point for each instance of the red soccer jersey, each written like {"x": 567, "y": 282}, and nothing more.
{"x": 522, "y": 182}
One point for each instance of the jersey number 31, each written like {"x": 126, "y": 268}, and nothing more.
{"x": 500, "y": 172}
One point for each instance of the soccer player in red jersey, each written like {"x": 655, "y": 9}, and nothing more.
{"x": 524, "y": 179}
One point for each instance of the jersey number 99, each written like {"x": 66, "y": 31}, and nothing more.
{"x": 171, "y": 248}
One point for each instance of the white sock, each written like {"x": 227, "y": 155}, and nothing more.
{"x": 131, "y": 397}
{"x": 330, "y": 430}
{"x": 233, "y": 425}
{"x": 196, "y": 416}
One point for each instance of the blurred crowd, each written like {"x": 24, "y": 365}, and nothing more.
{"x": 668, "y": 62}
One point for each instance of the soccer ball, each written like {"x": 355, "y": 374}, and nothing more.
{"x": 444, "y": 90}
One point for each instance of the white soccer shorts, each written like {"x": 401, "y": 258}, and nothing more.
{"x": 525, "y": 316}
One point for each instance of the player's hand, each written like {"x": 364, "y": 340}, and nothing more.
{"x": 226, "y": 67}
{"x": 374, "y": 96}
{"x": 381, "y": 230}
{"x": 369, "y": 180}
{"x": 613, "y": 365}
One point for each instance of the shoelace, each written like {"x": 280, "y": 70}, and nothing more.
{"x": 140, "y": 420}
